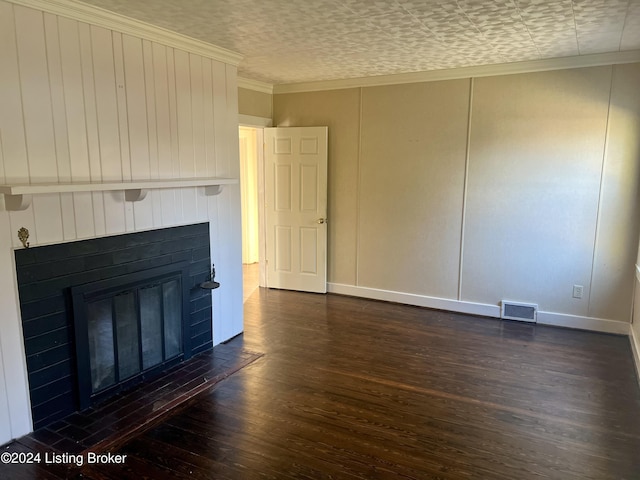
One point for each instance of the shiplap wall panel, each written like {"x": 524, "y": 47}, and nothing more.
{"x": 197, "y": 114}
{"x": 83, "y": 210}
{"x": 68, "y": 216}
{"x": 36, "y": 95}
{"x": 63, "y": 156}
{"x": 108, "y": 127}
{"x": 11, "y": 118}
{"x": 165, "y": 138}
{"x": 74, "y": 104}
{"x": 106, "y": 104}
{"x": 91, "y": 124}
{"x": 81, "y": 102}
{"x": 198, "y": 125}
{"x": 173, "y": 111}
{"x": 150, "y": 95}
{"x": 121, "y": 99}
{"x": 88, "y": 87}
{"x": 14, "y": 144}
{"x": 219, "y": 77}
{"x": 71, "y": 63}
{"x": 123, "y": 123}
{"x": 152, "y": 129}
{"x": 15, "y": 415}
{"x": 38, "y": 120}
{"x": 54, "y": 63}
{"x": 209, "y": 127}
{"x": 138, "y": 122}
{"x": 136, "y": 107}
{"x": 183, "y": 98}
{"x": 186, "y": 146}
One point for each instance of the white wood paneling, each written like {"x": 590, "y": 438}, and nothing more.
{"x": 54, "y": 62}
{"x": 74, "y": 104}
{"x": 183, "y": 98}
{"x": 136, "y": 107}
{"x": 123, "y": 123}
{"x": 38, "y": 119}
{"x": 108, "y": 129}
{"x": 83, "y": 103}
{"x": 11, "y": 117}
{"x": 36, "y": 95}
{"x": 63, "y": 157}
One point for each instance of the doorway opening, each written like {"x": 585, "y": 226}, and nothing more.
{"x": 251, "y": 181}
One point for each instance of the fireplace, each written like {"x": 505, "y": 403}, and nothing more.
{"x": 128, "y": 327}
{"x": 102, "y": 314}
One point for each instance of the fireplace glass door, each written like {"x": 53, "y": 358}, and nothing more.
{"x": 125, "y": 331}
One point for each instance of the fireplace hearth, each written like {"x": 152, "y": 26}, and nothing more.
{"x": 99, "y": 315}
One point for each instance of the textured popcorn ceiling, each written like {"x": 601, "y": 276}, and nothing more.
{"x": 288, "y": 41}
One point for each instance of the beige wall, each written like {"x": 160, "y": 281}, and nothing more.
{"x": 535, "y": 160}
{"x": 412, "y": 164}
{"x": 80, "y": 102}
{"x": 256, "y": 104}
{"x": 512, "y": 187}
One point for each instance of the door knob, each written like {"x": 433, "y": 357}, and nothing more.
{"x": 322, "y": 220}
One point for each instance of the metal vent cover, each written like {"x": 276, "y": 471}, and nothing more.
{"x": 523, "y": 312}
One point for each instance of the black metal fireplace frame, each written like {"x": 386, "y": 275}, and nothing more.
{"x": 82, "y": 294}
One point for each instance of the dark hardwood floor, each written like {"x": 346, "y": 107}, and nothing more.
{"x": 357, "y": 389}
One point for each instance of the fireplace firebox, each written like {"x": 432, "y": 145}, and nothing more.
{"x": 101, "y": 314}
{"x": 129, "y": 326}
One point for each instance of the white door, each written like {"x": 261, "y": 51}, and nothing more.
{"x": 296, "y": 208}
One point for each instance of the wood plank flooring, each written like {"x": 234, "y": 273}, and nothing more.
{"x": 357, "y": 389}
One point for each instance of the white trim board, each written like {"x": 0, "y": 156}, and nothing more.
{"x": 580, "y": 61}
{"x": 486, "y": 310}
{"x": 104, "y": 18}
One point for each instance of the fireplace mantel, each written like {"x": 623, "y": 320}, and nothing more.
{"x": 18, "y": 196}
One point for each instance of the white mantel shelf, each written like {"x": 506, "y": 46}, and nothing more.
{"x": 18, "y": 196}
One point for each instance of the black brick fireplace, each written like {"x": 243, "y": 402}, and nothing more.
{"x": 168, "y": 259}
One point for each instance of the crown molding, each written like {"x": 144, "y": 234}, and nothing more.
{"x": 581, "y": 61}
{"x": 113, "y": 21}
{"x": 255, "y": 85}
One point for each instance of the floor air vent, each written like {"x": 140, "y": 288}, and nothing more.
{"x": 524, "y": 312}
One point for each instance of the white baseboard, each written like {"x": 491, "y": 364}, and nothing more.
{"x": 486, "y": 310}
{"x": 583, "y": 323}
{"x": 417, "y": 300}
{"x": 635, "y": 349}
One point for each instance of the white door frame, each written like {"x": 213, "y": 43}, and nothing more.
{"x": 259, "y": 123}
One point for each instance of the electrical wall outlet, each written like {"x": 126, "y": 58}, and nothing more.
{"x": 578, "y": 291}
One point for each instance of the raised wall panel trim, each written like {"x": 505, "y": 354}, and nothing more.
{"x": 113, "y": 21}
{"x": 544, "y": 318}
{"x": 580, "y": 61}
